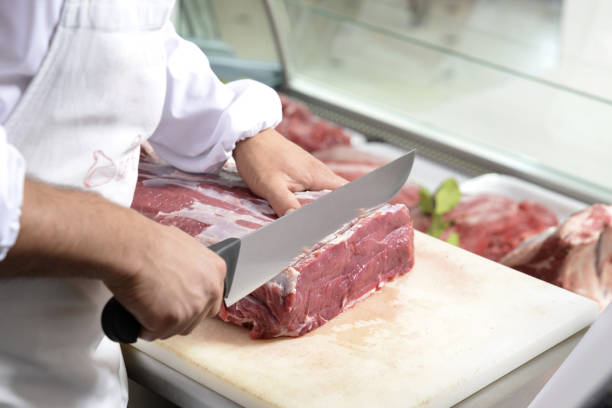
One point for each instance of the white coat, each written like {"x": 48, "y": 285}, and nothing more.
{"x": 100, "y": 92}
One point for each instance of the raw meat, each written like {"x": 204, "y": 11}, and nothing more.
{"x": 320, "y": 283}
{"x": 492, "y": 225}
{"x": 576, "y": 256}
{"x": 309, "y": 132}
{"x": 339, "y": 271}
{"x": 488, "y": 225}
{"x": 352, "y": 162}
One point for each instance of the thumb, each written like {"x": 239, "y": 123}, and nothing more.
{"x": 282, "y": 200}
{"x": 147, "y": 335}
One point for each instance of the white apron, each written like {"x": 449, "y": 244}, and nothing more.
{"x": 98, "y": 95}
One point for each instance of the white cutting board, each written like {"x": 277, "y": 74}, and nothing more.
{"x": 452, "y": 325}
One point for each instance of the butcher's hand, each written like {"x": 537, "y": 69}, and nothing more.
{"x": 163, "y": 276}
{"x": 174, "y": 283}
{"x": 275, "y": 168}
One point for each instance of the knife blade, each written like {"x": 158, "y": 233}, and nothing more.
{"x": 260, "y": 255}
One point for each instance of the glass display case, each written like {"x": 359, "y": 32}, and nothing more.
{"x": 522, "y": 87}
{"x": 519, "y": 87}
{"x": 236, "y": 36}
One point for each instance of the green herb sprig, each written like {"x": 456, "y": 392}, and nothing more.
{"x": 444, "y": 199}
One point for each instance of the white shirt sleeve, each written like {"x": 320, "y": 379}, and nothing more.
{"x": 12, "y": 176}
{"x": 204, "y": 118}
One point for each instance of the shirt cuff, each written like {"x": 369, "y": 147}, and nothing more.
{"x": 254, "y": 107}
{"x": 203, "y": 118}
{"x": 12, "y": 178}
{"x": 257, "y": 108}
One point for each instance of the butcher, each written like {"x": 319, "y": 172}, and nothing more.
{"x": 83, "y": 83}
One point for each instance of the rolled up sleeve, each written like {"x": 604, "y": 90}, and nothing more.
{"x": 203, "y": 118}
{"x": 12, "y": 176}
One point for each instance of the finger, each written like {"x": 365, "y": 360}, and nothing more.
{"x": 158, "y": 334}
{"x": 147, "y": 335}
{"x": 216, "y": 307}
{"x": 325, "y": 179}
{"x": 282, "y": 199}
{"x": 166, "y": 330}
{"x": 187, "y": 328}
{"x": 193, "y": 324}
{"x": 197, "y": 319}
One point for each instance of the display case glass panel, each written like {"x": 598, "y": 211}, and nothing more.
{"x": 527, "y": 84}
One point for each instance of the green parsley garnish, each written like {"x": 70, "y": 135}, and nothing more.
{"x": 444, "y": 199}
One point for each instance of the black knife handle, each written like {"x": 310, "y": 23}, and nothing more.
{"x": 121, "y": 326}
{"x": 228, "y": 249}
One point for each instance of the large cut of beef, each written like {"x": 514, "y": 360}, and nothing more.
{"x": 308, "y": 131}
{"x": 576, "y": 256}
{"x": 320, "y": 283}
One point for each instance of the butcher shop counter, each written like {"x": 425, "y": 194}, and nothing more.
{"x": 156, "y": 384}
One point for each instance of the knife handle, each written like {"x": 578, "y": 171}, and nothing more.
{"x": 121, "y": 326}
{"x": 228, "y": 249}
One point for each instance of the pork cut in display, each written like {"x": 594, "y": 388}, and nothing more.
{"x": 339, "y": 271}
{"x": 576, "y": 256}
{"x": 491, "y": 225}
{"x": 308, "y": 131}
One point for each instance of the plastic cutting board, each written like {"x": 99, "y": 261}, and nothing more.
{"x": 454, "y": 324}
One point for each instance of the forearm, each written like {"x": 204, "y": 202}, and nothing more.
{"x": 71, "y": 233}
{"x": 164, "y": 277}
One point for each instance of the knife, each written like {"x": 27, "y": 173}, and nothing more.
{"x": 262, "y": 254}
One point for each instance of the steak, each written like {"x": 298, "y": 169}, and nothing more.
{"x": 333, "y": 275}
{"x": 576, "y": 256}
{"x": 308, "y": 131}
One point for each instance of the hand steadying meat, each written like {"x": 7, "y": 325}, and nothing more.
{"x": 274, "y": 168}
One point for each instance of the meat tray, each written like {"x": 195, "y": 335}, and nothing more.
{"x": 518, "y": 189}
